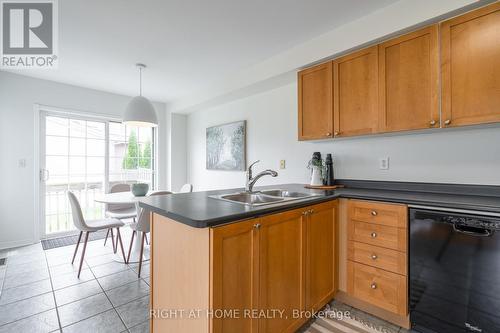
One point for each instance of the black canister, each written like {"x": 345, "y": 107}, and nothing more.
{"x": 329, "y": 180}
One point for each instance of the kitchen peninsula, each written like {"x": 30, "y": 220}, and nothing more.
{"x": 218, "y": 266}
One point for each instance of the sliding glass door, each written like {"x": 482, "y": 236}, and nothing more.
{"x": 88, "y": 156}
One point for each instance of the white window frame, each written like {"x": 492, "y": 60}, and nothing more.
{"x": 42, "y": 111}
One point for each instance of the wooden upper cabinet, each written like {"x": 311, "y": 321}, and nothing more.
{"x": 281, "y": 258}
{"x": 315, "y": 102}
{"x": 409, "y": 81}
{"x": 235, "y": 274}
{"x": 320, "y": 255}
{"x": 470, "y": 51}
{"x": 355, "y": 82}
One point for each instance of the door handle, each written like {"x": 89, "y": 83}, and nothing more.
{"x": 44, "y": 175}
{"x": 471, "y": 231}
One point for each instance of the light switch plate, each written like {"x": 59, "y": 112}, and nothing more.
{"x": 282, "y": 164}
{"x": 383, "y": 163}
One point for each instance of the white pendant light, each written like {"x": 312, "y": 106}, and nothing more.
{"x": 140, "y": 111}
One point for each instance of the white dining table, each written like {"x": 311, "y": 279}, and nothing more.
{"x": 127, "y": 198}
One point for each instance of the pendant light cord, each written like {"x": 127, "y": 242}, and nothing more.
{"x": 140, "y": 81}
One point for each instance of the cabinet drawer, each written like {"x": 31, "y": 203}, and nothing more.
{"x": 389, "y": 260}
{"x": 379, "y": 235}
{"x": 378, "y": 287}
{"x": 392, "y": 215}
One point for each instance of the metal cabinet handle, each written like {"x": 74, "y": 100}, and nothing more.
{"x": 256, "y": 226}
{"x": 374, "y": 257}
{"x": 307, "y": 212}
{"x": 328, "y": 134}
{"x": 447, "y": 122}
{"x": 374, "y": 213}
{"x": 336, "y": 133}
{"x": 373, "y": 285}
{"x": 374, "y": 234}
{"x": 432, "y": 123}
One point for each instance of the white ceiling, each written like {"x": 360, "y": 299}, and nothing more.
{"x": 186, "y": 44}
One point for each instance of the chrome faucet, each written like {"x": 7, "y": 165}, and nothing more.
{"x": 250, "y": 180}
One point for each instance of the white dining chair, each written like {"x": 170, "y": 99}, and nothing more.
{"x": 143, "y": 227}
{"x": 186, "y": 188}
{"x": 119, "y": 211}
{"x": 90, "y": 226}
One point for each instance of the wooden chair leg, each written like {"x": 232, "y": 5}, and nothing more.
{"x": 119, "y": 239}
{"x": 142, "y": 251}
{"x": 113, "y": 240}
{"x": 106, "y": 239}
{"x": 76, "y": 249}
{"x": 130, "y": 246}
{"x": 83, "y": 252}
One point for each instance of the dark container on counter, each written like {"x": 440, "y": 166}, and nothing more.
{"x": 329, "y": 179}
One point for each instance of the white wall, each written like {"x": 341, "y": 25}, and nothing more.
{"x": 18, "y": 94}
{"x": 467, "y": 156}
{"x": 177, "y": 172}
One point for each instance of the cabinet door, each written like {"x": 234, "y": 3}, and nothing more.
{"x": 235, "y": 275}
{"x": 409, "y": 86}
{"x": 356, "y": 93}
{"x": 470, "y": 51}
{"x": 281, "y": 270}
{"x": 320, "y": 255}
{"x": 315, "y": 102}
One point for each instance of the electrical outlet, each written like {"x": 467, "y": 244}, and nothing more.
{"x": 22, "y": 163}
{"x": 282, "y": 164}
{"x": 383, "y": 163}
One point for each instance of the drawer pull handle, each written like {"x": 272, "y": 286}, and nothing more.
{"x": 374, "y": 257}
{"x": 374, "y": 213}
{"x": 374, "y": 234}
{"x": 373, "y": 285}
{"x": 256, "y": 226}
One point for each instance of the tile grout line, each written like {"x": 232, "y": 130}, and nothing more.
{"x": 109, "y": 300}
{"x": 53, "y": 292}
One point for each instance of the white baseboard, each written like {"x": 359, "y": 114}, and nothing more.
{"x": 11, "y": 244}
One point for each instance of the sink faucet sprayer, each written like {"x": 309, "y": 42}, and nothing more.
{"x": 250, "y": 181}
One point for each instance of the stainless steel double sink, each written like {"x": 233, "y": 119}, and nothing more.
{"x": 264, "y": 197}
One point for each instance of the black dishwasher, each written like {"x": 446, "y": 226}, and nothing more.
{"x": 454, "y": 271}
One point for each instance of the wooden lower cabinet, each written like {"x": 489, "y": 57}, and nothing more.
{"x": 374, "y": 258}
{"x": 235, "y": 275}
{"x": 253, "y": 276}
{"x": 281, "y": 278}
{"x": 321, "y": 255}
{"x": 379, "y": 287}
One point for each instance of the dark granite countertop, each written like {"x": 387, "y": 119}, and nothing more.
{"x": 199, "y": 210}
